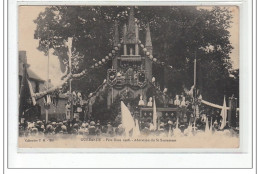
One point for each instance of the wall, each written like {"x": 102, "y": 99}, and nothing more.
{"x": 58, "y": 113}
{"x": 54, "y": 112}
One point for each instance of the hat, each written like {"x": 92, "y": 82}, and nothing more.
{"x": 75, "y": 125}
{"x": 64, "y": 128}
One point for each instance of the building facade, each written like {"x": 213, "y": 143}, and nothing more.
{"x": 57, "y": 110}
{"x": 131, "y": 70}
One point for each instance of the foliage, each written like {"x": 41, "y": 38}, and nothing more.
{"x": 179, "y": 34}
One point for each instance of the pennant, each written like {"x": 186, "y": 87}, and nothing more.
{"x": 210, "y": 125}
{"x": 207, "y": 130}
{"x": 127, "y": 119}
{"x": 154, "y": 115}
{"x": 224, "y": 114}
{"x": 31, "y": 93}
{"x": 136, "y": 131}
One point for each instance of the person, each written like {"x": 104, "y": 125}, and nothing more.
{"x": 110, "y": 129}
{"x": 151, "y": 126}
{"x": 146, "y": 130}
{"x": 120, "y": 130}
{"x": 58, "y": 128}
{"x": 68, "y": 125}
{"x": 170, "y": 128}
{"x": 34, "y": 131}
{"x": 171, "y": 102}
{"x": 98, "y": 129}
{"x": 49, "y": 129}
{"x": 162, "y": 128}
{"x": 81, "y": 129}
{"x": 64, "y": 129}
{"x": 92, "y": 128}
{"x": 215, "y": 125}
{"x": 76, "y": 126}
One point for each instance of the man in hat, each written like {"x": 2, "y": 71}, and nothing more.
{"x": 98, "y": 128}
{"x": 92, "y": 128}
{"x": 110, "y": 129}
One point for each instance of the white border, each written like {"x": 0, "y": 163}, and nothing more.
{"x": 137, "y": 159}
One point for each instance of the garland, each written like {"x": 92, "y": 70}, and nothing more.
{"x": 82, "y": 73}
{"x": 93, "y": 95}
{"x": 153, "y": 59}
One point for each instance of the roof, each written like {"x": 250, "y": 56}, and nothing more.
{"x": 31, "y": 74}
{"x": 23, "y": 60}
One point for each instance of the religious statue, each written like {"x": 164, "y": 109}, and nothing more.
{"x": 165, "y": 98}
{"x": 150, "y": 103}
{"x": 129, "y": 106}
{"x": 153, "y": 79}
{"x": 177, "y": 101}
{"x": 183, "y": 102}
{"x": 141, "y": 101}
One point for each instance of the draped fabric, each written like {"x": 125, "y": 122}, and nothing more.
{"x": 212, "y": 104}
{"x": 136, "y": 131}
{"x": 127, "y": 119}
{"x": 224, "y": 115}
{"x": 31, "y": 92}
{"x": 154, "y": 115}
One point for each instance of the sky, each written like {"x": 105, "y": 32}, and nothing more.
{"x": 38, "y": 61}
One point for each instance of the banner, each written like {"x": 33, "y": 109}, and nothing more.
{"x": 127, "y": 119}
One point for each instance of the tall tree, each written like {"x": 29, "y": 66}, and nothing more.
{"x": 177, "y": 34}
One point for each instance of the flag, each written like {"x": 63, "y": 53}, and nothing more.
{"x": 136, "y": 131}
{"x": 207, "y": 125}
{"x": 69, "y": 44}
{"x": 32, "y": 93}
{"x": 154, "y": 115}
{"x": 210, "y": 125}
{"x": 177, "y": 131}
{"x": 127, "y": 119}
{"x": 224, "y": 114}
{"x": 25, "y": 100}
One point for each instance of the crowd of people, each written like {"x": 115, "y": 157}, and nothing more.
{"x": 108, "y": 129}
{"x": 91, "y": 128}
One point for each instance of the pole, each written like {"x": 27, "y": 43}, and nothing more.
{"x": 112, "y": 95}
{"x": 70, "y": 67}
{"x": 195, "y": 62}
{"x": 195, "y": 90}
{"x": 46, "y": 110}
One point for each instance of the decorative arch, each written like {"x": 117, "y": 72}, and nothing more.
{"x": 126, "y": 94}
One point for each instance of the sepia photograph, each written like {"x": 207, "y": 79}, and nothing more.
{"x": 128, "y": 76}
